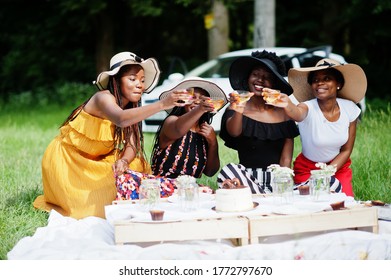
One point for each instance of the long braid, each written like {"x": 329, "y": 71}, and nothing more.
{"x": 74, "y": 113}
{"x": 122, "y": 136}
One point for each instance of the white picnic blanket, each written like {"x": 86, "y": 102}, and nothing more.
{"x": 92, "y": 238}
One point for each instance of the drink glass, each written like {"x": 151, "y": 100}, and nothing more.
{"x": 243, "y": 95}
{"x": 217, "y": 104}
{"x": 271, "y": 96}
{"x": 187, "y": 96}
{"x": 190, "y": 96}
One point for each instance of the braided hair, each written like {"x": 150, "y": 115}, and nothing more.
{"x": 179, "y": 111}
{"x": 122, "y": 135}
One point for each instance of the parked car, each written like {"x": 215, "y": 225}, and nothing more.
{"x": 216, "y": 70}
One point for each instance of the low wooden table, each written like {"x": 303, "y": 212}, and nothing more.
{"x": 215, "y": 228}
{"x": 245, "y": 228}
{"x": 261, "y": 226}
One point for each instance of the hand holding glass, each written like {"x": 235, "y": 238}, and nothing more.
{"x": 271, "y": 96}
{"x": 243, "y": 95}
{"x": 217, "y": 104}
{"x": 187, "y": 96}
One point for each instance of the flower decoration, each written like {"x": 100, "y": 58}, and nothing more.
{"x": 185, "y": 180}
{"x": 325, "y": 169}
{"x": 277, "y": 169}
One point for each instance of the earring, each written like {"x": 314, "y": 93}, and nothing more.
{"x": 338, "y": 88}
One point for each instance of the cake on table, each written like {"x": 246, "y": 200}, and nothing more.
{"x": 233, "y": 197}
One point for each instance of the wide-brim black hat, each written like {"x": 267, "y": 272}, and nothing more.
{"x": 241, "y": 68}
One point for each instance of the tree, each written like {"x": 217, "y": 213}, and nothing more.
{"x": 264, "y": 29}
{"x": 218, "y": 30}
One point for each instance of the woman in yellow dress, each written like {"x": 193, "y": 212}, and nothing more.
{"x": 79, "y": 164}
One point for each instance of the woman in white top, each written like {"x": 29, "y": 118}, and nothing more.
{"x": 327, "y": 116}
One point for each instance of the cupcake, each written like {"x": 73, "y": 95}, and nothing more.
{"x": 338, "y": 205}
{"x": 304, "y": 190}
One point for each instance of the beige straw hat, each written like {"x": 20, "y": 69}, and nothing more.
{"x": 355, "y": 81}
{"x": 150, "y": 66}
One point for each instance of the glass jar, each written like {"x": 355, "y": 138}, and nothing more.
{"x": 188, "y": 193}
{"x": 149, "y": 193}
{"x": 282, "y": 184}
{"x": 319, "y": 185}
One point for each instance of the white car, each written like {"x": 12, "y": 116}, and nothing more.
{"x": 216, "y": 70}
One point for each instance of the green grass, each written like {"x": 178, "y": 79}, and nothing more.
{"x": 25, "y": 135}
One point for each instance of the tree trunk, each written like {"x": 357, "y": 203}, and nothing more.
{"x": 265, "y": 23}
{"x": 218, "y": 31}
{"x": 104, "y": 41}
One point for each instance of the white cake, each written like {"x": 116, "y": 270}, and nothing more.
{"x": 234, "y": 199}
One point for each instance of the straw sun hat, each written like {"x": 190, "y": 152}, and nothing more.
{"x": 150, "y": 66}
{"x": 355, "y": 81}
{"x": 215, "y": 92}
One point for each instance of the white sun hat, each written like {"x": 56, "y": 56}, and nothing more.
{"x": 150, "y": 66}
{"x": 214, "y": 91}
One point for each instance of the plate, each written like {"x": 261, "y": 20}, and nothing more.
{"x": 255, "y": 204}
{"x": 148, "y": 220}
{"x": 297, "y": 209}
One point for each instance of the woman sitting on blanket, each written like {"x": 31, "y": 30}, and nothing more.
{"x": 77, "y": 165}
{"x": 327, "y": 116}
{"x": 185, "y": 143}
{"x": 261, "y": 134}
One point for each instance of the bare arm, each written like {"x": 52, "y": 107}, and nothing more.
{"x": 346, "y": 150}
{"x": 287, "y": 153}
{"x": 213, "y": 163}
{"x": 175, "y": 127}
{"x": 103, "y": 105}
{"x": 234, "y": 123}
{"x": 127, "y": 156}
{"x": 295, "y": 112}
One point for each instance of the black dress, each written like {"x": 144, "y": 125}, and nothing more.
{"x": 259, "y": 145}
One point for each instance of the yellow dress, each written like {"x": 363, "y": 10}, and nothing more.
{"x": 77, "y": 175}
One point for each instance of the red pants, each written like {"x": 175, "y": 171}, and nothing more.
{"x": 303, "y": 166}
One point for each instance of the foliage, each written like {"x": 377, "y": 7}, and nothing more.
{"x": 371, "y": 157}
{"x": 55, "y": 42}
{"x": 357, "y": 29}
{"x": 67, "y": 94}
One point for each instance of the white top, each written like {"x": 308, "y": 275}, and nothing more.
{"x": 321, "y": 139}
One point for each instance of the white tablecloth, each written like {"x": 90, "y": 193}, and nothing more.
{"x": 93, "y": 238}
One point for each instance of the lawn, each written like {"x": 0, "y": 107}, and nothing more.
{"x": 25, "y": 133}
